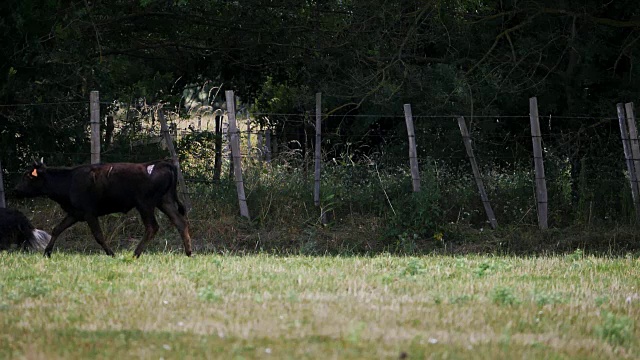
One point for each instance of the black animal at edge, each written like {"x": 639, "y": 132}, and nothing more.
{"x": 16, "y": 229}
{"x": 87, "y": 192}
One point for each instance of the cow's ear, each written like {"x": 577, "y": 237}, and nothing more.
{"x": 38, "y": 171}
{"x": 38, "y": 168}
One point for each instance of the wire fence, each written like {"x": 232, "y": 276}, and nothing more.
{"x": 586, "y": 174}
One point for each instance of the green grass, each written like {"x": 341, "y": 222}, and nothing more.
{"x": 165, "y": 305}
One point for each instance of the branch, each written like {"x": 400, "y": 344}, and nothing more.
{"x": 95, "y": 28}
{"x": 498, "y": 37}
{"x": 624, "y": 52}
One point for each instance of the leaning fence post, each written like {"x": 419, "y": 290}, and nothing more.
{"x": 94, "y": 105}
{"x": 174, "y": 158}
{"x": 466, "y": 138}
{"x": 541, "y": 184}
{"x": 2, "y": 201}
{"x": 629, "y": 158}
{"x": 413, "y": 153}
{"x": 235, "y": 153}
{"x": 633, "y": 140}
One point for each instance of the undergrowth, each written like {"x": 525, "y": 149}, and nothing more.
{"x": 364, "y": 208}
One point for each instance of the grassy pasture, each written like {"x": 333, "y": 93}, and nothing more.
{"x": 165, "y": 305}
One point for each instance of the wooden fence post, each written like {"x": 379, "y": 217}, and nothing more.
{"x": 235, "y": 151}
{"x": 274, "y": 145}
{"x": 226, "y": 140}
{"x": 466, "y": 138}
{"x": 94, "y": 105}
{"x": 217, "y": 163}
{"x": 260, "y": 147}
{"x": 633, "y": 140}
{"x": 267, "y": 143}
{"x": 629, "y": 158}
{"x": 413, "y": 153}
{"x": 316, "y": 187}
{"x": 541, "y": 184}
{"x": 318, "y": 158}
{"x": 174, "y": 158}
{"x": 2, "y": 201}
{"x": 249, "y": 135}
{"x": 305, "y": 146}
{"x": 229, "y": 148}
{"x": 108, "y": 132}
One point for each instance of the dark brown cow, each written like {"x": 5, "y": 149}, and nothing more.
{"x": 87, "y": 192}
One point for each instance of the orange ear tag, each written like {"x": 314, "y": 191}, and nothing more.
{"x": 34, "y": 173}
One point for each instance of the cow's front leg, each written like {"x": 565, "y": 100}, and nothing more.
{"x": 64, "y": 224}
{"x": 94, "y": 225}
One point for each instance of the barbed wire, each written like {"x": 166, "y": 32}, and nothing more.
{"x": 45, "y": 104}
{"x": 311, "y": 114}
{"x": 443, "y": 149}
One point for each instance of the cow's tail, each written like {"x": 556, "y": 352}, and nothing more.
{"x": 181, "y": 208}
{"x": 174, "y": 189}
{"x": 39, "y": 239}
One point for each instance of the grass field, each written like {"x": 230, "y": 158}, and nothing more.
{"x": 168, "y": 306}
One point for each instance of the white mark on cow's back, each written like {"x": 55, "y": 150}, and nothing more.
{"x": 150, "y": 169}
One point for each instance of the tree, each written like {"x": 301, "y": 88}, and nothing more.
{"x": 444, "y": 57}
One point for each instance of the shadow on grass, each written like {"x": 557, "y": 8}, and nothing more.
{"x": 334, "y": 241}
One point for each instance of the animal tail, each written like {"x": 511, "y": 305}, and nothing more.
{"x": 39, "y": 239}
{"x": 174, "y": 189}
{"x": 181, "y": 208}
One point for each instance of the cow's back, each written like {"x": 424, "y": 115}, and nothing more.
{"x": 119, "y": 187}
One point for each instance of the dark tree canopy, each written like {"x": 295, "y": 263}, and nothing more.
{"x": 444, "y": 57}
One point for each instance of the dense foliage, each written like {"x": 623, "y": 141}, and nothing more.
{"x": 448, "y": 57}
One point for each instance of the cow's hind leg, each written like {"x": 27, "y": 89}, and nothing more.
{"x": 181, "y": 223}
{"x": 64, "y": 224}
{"x": 150, "y": 229}
{"x": 94, "y": 225}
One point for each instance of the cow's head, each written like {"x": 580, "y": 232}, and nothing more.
{"x": 32, "y": 181}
